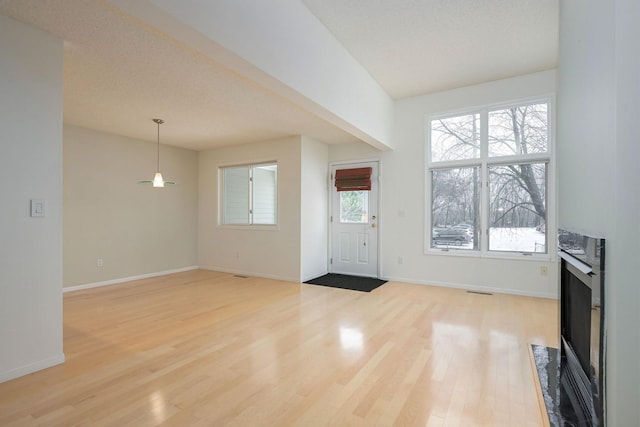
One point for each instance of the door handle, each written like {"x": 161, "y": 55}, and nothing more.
{"x": 373, "y": 226}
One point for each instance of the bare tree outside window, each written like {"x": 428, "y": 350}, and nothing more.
{"x": 455, "y": 138}
{"x": 514, "y": 154}
{"x": 518, "y": 130}
{"x": 513, "y": 211}
{"x": 455, "y": 198}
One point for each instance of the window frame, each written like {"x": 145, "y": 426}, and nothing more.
{"x": 484, "y": 162}
{"x": 250, "y": 206}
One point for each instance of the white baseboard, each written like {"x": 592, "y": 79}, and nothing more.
{"x": 474, "y": 287}
{"x": 126, "y": 279}
{"x": 32, "y": 367}
{"x": 250, "y": 273}
{"x": 297, "y": 280}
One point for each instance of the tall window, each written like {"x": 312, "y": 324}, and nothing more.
{"x": 488, "y": 178}
{"x": 249, "y": 194}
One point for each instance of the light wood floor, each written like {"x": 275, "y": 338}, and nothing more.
{"x": 203, "y": 348}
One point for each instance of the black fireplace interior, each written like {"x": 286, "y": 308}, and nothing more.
{"x": 573, "y": 377}
{"x": 576, "y": 317}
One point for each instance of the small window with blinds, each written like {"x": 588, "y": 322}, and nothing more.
{"x": 249, "y": 194}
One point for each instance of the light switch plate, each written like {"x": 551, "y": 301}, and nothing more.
{"x": 37, "y": 207}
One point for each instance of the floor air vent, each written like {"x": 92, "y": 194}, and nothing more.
{"x": 240, "y": 276}
{"x": 479, "y": 293}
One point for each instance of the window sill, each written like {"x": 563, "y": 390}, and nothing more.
{"x": 253, "y": 227}
{"x": 512, "y": 256}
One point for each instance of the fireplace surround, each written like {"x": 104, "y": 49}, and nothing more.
{"x": 573, "y": 378}
{"x": 581, "y": 357}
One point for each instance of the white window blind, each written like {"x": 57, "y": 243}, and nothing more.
{"x": 250, "y": 194}
{"x": 236, "y": 195}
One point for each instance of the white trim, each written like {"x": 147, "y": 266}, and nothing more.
{"x": 348, "y": 162}
{"x": 548, "y": 295}
{"x": 250, "y": 273}
{"x": 31, "y": 367}
{"x": 502, "y": 255}
{"x": 126, "y": 279}
{"x": 332, "y": 167}
{"x": 254, "y": 162}
{"x": 255, "y": 227}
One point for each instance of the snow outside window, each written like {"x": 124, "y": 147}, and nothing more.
{"x": 487, "y": 179}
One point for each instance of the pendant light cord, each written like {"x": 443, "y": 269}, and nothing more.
{"x": 158, "y": 150}
{"x": 158, "y": 122}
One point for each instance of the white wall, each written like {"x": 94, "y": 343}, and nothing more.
{"x": 314, "y": 209}
{"x": 30, "y": 167}
{"x": 266, "y": 251}
{"x": 586, "y": 116}
{"x": 402, "y": 197}
{"x": 134, "y": 229}
{"x": 263, "y": 41}
{"x": 598, "y": 110}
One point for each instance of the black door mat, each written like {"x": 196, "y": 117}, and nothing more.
{"x": 344, "y": 281}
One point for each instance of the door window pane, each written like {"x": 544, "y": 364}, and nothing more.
{"x": 354, "y": 206}
{"x": 518, "y": 130}
{"x": 517, "y": 207}
{"x": 455, "y": 138}
{"x": 455, "y": 196}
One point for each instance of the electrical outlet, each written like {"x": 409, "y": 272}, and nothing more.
{"x": 544, "y": 271}
{"x": 400, "y": 260}
{"x": 37, "y": 207}
{"x": 99, "y": 262}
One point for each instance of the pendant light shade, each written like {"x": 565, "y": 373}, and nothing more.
{"x": 158, "y": 181}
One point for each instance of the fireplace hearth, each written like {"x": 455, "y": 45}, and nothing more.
{"x": 572, "y": 378}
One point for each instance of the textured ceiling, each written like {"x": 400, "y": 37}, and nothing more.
{"x": 120, "y": 73}
{"x": 412, "y": 47}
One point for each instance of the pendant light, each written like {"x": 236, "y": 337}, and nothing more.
{"x": 158, "y": 181}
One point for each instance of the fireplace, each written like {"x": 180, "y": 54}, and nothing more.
{"x": 582, "y": 330}
{"x": 572, "y": 378}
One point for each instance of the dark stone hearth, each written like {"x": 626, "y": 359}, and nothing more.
{"x": 556, "y": 400}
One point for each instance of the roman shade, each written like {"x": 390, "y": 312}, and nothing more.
{"x": 358, "y": 179}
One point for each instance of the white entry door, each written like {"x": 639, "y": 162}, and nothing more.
{"x": 354, "y": 226}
